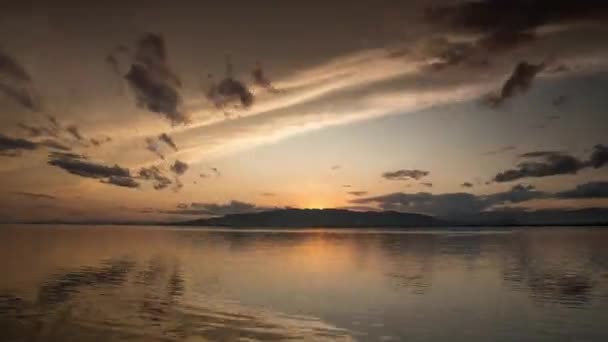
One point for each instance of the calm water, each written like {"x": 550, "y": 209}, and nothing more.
{"x": 133, "y": 283}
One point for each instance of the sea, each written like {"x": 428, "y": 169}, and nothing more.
{"x": 139, "y": 283}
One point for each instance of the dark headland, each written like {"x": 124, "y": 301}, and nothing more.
{"x": 342, "y": 218}
{"x": 326, "y": 218}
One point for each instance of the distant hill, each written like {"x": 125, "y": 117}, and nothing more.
{"x": 543, "y": 217}
{"x": 326, "y": 218}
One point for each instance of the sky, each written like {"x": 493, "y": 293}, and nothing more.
{"x": 149, "y": 111}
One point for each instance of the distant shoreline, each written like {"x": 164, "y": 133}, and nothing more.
{"x": 346, "y": 219}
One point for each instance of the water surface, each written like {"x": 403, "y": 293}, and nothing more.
{"x": 93, "y": 283}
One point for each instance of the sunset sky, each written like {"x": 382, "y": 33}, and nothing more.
{"x": 111, "y": 111}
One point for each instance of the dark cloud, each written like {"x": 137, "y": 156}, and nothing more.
{"x": 551, "y": 163}
{"x": 229, "y": 90}
{"x": 427, "y": 184}
{"x": 518, "y": 83}
{"x": 33, "y": 195}
{"x": 154, "y": 174}
{"x": 450, "y": 203}
{"x": 495, "y": 27}
{"x": 22, "y": 96}
{"x": 541, "y": 154}
{"x": 357, "y": 193}
{"x": 179, "y": 167}
{"x": 154, "y": 84}
{"x": 126, "y": 182}
{"x": 346, "y": 186}
{"x": 99, "y": 141}
{"x": 152, "y": 146}
{"x": 12, "y": 147}
{"x": 80, "y": 166}
{"x": 164, "y": 137}
{"x": 232, "y": 207}
{"x": 213, "y": 209}
{"x": 543, "y": 164}
{"x": 424, "y": 202}
{"x": 599, "y": 156}
{"x": 38, "y": 131}
{"x": 54, "y": 144}
{"x": 61, "y": 155}
{"x": 405, "y": 174}
{"x": 261, "y": 80}
{"x": 467, "y": 185}
{"x": 74, "y": 131}
{"x": 16, "y": 83}
{"x": 587, "y": 190}
{"x": 506, "y": 24}
{"x": 518, "y": 193}
{"x": 87, "y": 168}
{"x": 56, "y": 133}
{"x": 115, "y": 57}
{"x": 10, "y": 68}
{"x": 216, "y": 171}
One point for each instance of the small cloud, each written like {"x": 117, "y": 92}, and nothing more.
{"x": 53, "y": 144}
{"x": 154, "y": 174}
{"x": 126, "y": 182}
{"x": 427, "y": 184}
{"x": 518, "y": 83}
{"x": 467, "y": 185}
{"x": 74, "y": 131}
{"x": 152, "y": 146}
{"x": 164, "y": 137}
{"x": 12, "y": 147}
{"x": 216, "y": 171}
{"x": 347, "y": 186}
{"x": 66, "y": 155}
{"x": 268, "y": 194}
{"x": 16, "y": 83}
{"x": 81, "y": 166}
{"x": 179, "y": 167}
{"x": 229, "y": 90}
{"x": 261, "y": 80}
{"x": 99, "y": 141}
{"x": 336, "y": 167}
{"x": 599, "y": 156}
{"x": 357, "y": 193}
{"x": 401, "y": 175}
{"x": 38, "y": 131}
{"x": 154, "y": 84}
{"x": 33, "y": 195}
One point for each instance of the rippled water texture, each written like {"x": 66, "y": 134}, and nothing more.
{"x": 82, "y": 283}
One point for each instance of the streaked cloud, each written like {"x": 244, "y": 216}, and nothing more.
{"x": 401, "y": 175}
